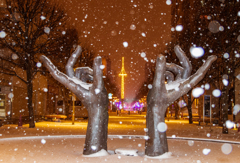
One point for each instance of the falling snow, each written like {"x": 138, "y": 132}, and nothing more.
{"x": 43, "y": 141}
{"x": 162, "y": 127}
{"x": 179, "y": 28}
{"x": 206, "y": 151}
{"x": 216, "y": 93}
{"x": 2, "y": 34}
{"x": 47, "y": 30}
{"x": 197, "y": 92}
{"x": 125, "y": 44}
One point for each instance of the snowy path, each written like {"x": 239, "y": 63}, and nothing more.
{"x": 62, "y": 149}
{"x": 64, "y": 142}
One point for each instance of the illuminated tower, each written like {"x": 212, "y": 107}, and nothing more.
{"x": 122, "y": 74}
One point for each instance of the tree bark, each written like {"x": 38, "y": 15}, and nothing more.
{"x": 30, "y": 94}
{"x": 225, "y": 109}
{"x": 65, "y": 100}
{"x": 189, "y": 107}
{"x": 176, "y": 108}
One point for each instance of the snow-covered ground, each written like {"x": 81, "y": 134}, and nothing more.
{"x": 65, "y": 149}
{"x": 63, "y": 142}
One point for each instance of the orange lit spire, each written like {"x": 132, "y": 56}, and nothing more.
{"x": 122, "y": 74}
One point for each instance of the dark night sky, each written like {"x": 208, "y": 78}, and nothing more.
{"x": 104, "y": 25}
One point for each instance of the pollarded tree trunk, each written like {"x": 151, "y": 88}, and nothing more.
{"x": 162, "y": 95}
{"x": 30, "y": 95}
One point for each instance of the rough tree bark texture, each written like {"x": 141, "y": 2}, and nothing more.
{"x": 162, "y": 95}
{"x": 189, "y": 106}
{"x": 30, "y": 94}
{"x": 93, "y": 95}
{"x": 225, "y": 95}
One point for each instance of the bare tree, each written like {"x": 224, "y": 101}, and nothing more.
{"x": 207, "y": 24}
{"x": 30, "y": 27}
{"x": 161, "y": 95}
{"x": 93, "y": 95}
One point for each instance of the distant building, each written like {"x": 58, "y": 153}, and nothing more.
{"x": 237, "y": 94}
{"x": 13, "y": 92}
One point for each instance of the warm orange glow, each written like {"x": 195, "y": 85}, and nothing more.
{"x": 122, "y": 74}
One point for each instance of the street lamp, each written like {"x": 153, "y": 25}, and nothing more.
{"x": 73, "y": 110}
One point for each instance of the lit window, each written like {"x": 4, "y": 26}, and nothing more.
{"x": 196, "y": 103}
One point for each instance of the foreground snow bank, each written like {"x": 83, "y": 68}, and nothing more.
{"x": 126, "y": 151}
{"x": 100, "y": 153}
{"x": 163, "y": 156}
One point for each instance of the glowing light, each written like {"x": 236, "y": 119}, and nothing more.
{"x": 122, "y": 74}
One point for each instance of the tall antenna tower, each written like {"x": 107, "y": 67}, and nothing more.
{"x": 122, "y": 74}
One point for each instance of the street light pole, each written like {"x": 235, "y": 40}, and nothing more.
{"x": 73, "y": 111}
